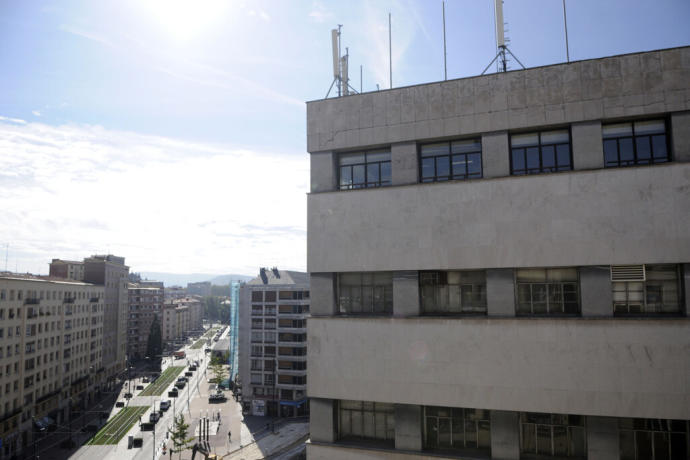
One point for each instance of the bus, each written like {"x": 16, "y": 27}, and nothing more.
{"x": 179, "y": 354}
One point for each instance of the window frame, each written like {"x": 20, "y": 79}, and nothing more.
{"x": 342, "y": 311}
{"x": 461, "y": 312}
{"x": 387, "y": 412}
{"x": 651, "y": 427}
{"x": 633, "y": 138}
{"x": 451, "y": 177}
{"x": 464, "y": 418}
{"x": 366, "y": 184}
{"x": 680, "y": 293}
{"x": 551, "y": 424}
{"x": 540, "y": 146}
{"x": 547, "y": 314}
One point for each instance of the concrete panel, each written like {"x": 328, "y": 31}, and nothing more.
{"x": 596, "y": 298}
{"x": 602, "y": 367}
{"x": 322, "y": 293}
{"x": 588, "y": 150}
{"x": 616, "y": 86}
{"x": 686, "y": 276}
{"x": 323, "y": 172}
{"x": 680, "y": 135}
{"x": 406, "y": 294}
{"x": 505, "y": 435}
{"x": 316, "y": 451}
{"x": 322, "y": 420}
{"x": 602, "y": 438}
{"x": 495, "y": 155}
{"x": 408, "y": 427}
{"x": 404, "y": 163}
{"x": 500, "y": 292}
{"x": 577, "y": 218}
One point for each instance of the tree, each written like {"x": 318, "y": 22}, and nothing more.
{"x": 154, "y": 346}
{"x": 178, "y": 436}
{"x": 218, "y": 370}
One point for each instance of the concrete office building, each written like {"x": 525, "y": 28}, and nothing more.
{"x": 111, "y": 272}
{"x": 272, "y": 359}
{"x": 500, "y": 265}
{"x": 51, "y": 337}
{"x": 145, "y": 302}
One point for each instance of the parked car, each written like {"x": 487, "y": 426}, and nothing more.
{"x": 128, "y": 395}
{"x": 172, "y": 393}
{"x": 140, "y": 387}
{"x": 217, "y": 397}
{"x": 165, "y": 405}
{"x": 146, "y": 380}
{"x": 182, "y": 379}
{"x": 189, "y": 374}
{"x": 154, "y": 417}
{"x": 180, "y": 385}
{"x": 120, "y": 404}
{"x": 147, "y": 426}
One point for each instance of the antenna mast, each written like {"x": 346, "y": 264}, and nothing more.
{"x": 340, "y": 66}
{"x": 501, "y": 41}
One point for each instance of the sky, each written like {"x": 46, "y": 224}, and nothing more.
{"x": 172, "y": 132}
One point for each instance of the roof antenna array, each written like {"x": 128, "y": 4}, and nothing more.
{"x": 501, "y": 41}
{"x": 340, "y": 66}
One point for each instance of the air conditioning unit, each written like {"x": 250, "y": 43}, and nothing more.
{"x": 628, "y": 273}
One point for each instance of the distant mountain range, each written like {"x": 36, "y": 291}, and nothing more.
{"x": 181, "y": 279}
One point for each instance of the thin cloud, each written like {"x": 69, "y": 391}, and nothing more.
{"x": 319, "y": 13}
{"x": 17, "y": 121}
{"x": 74, "y": 190}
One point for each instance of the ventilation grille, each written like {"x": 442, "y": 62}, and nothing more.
{"x": 627, "y": 273}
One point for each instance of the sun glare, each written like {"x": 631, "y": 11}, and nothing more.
{"x": 185, "y": 19}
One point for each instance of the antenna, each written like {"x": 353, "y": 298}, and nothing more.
{"x": 565, "y": 25}
{"x": 390, "y": 52}
{"x": 340, "y": 64}
{"x": 445, "y": 55}
{"x": 7, "y": 251}
{"x": 501, "y": 41}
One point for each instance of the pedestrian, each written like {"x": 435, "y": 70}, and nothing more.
{"x": 229, "y": 436}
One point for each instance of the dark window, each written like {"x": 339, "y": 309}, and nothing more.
{"x": 365, "y": 293}
{"x": 451, "y": 161}
{"x": 365, "y": 169}
{"x": 270, "y": 296}
{"x": 366, "y": 420}
{"x": 636, "y": 143}
{"x": 453, "y": 292}
{"x": 547, "y": 291}
{"x": 657, "y": 294}
{"x": 552, "y": 435}
{"x": 655, "y": 439}
{"x": 257, "y": 296}
{"x": 542, "y": 152}
{"x": 466, "y": 431}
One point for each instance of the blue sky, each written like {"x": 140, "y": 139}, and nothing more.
{"x": 173, "y": 132}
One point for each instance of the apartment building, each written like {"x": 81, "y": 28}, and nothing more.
{"x": 51, "y": 337}
{"x": 145, "y": 304}
{"x": 111, "y": 272}
{"x": 196, "y": 312}
{"x": 176, "y": 322}
{"x": 500, "y": 265}
{"x": 70, "y": 269}
{"x": 273, "y": 310}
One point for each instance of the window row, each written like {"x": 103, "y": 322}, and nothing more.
{"x": 462, "y": 431}
{"x": 653, "y": 290}
{"x": 624, "y": 144}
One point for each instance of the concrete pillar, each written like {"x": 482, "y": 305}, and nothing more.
{"x": 500, "y": 292}
{"x": 680, "y": 136}
{"x": 406, "y": 293}
{"x": 495, "y": 155}
{"x": 408, "y": 427}
{"x": 686, "y": 281}
{"x": 588, "y": 146}
{"x": 322, "y": 420}
{"x": 322, "y": 294}
{"x": 596, "y": 298}
{"x": 505, "y": 435}
{"x": 602, "y": 438}
{"x": 323, "y": 172}
{"x": 404, "y": 163}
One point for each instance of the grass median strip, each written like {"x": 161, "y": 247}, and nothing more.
{"x": 200, "y": 343}
{"x": 166, "y": 378}
{"x": 118, "y": 426}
